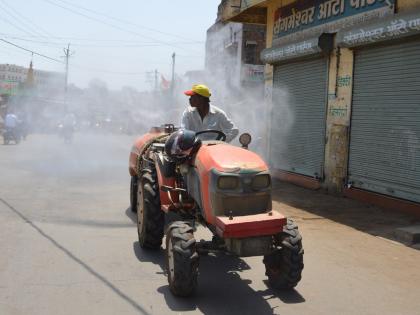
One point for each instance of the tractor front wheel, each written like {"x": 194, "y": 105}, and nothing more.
{"x": 150, "y": 218}
{"x": 285, "y": 264}
{"x": 182, "y": 259}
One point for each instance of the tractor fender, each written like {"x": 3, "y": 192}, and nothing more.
{"x": 136, "y": 151}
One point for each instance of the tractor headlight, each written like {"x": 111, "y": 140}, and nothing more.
{"x": 227, "y": 182}
{"x": 261, "y": 181}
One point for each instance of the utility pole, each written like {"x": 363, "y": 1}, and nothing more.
{"x": 156, "y": 80}
{"x": 67, "y": 55}
{"x": 173, "y": 75}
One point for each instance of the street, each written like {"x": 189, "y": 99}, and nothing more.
{"x": 69, "y": 245}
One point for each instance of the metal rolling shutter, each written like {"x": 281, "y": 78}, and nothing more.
{"x": 298, "y": 117}
{"x": 385, "y": 126}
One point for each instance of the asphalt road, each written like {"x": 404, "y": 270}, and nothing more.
{"x": 69, "y": 246}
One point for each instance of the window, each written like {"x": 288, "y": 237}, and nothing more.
{"x": 250, "y": 54}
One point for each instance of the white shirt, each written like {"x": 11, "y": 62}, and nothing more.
{"x": 216, "y": 119}
{"x": 11, "y": 121}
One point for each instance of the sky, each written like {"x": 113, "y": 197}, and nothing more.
{"x": 120, "y": 42}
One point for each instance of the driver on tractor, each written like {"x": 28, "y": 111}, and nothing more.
{"x": 204, "y": 116}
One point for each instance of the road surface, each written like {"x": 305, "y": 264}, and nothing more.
{"x": 69, "y": 246}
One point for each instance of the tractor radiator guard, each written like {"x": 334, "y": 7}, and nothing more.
{"x": 250, "y": 235}
{"x": 263, "y": 224}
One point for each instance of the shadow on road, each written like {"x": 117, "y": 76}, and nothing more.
{"x": 86, "y": 222}
{"x": 169, "y": 217}
{"x": 221, "y": 290}
{"x": 156, "y": 257}
{"x": 132, "y": 215}
{"x": 363, "y": 217}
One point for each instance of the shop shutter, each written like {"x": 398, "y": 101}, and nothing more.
{"x": 385, "y": 126}
{"x": 298, "y": 117}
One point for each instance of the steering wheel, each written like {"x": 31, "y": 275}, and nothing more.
{"x": 221, "y": 136}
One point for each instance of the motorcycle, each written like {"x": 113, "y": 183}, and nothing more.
{"x": 66, "y": 132}
{"x": 11, "y": 134}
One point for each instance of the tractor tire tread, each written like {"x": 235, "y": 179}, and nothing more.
{"x": 284, "y": 266}
{"x": 133, "y": 193}
{"x": 154, "y": 216}
{"x": 186, "y": 259}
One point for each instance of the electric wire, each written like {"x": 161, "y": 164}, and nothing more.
{"x": 10, "y": 53}
{"x": 39, "y": 35}
{"x": 60, "y": 44}
{"x": 92, "y": 39}
{"x": 14, "y": 25}
{"x": 90, "y": 69}
{"x": 50, "y": 44}
{"x": 78, "y": 66}
{"x": 124, "y": 21}
{"x": 31, "y": 51}
{"x": 24, "y": 20}
{"x": 111, "y": 25}
{"x": 86, "y": 68}
{"x": 81, "y": 67}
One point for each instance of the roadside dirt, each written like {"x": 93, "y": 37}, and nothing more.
{"x": 304, "y": 205}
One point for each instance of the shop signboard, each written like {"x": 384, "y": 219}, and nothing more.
{"x": 386, "y": 29}
{"x": 291, "y": 51}
{"x": 305, "y": 18}
{"x": 9, "y": 87}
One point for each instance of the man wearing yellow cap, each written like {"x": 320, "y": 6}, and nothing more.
{"x": 204, "y": 116}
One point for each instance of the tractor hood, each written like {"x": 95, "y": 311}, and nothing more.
{"x": 227, "y": 158}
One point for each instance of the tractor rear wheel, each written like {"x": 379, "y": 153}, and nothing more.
{"x": 182, "y": 259}
{"x": 150, "y": 217}
{"x": 133, "y": 193}
{"x": 284, "y": 265}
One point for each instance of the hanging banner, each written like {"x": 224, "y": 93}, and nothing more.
{"x": 311, "y": 18}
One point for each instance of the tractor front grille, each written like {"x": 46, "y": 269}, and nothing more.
{"x": 242, "y": 205}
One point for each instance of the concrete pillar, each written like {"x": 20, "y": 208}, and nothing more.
{"x": 340, "y": 86}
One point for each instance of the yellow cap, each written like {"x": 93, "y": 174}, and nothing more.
{"x": 199, "y": 89}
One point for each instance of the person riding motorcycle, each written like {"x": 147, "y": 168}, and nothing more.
{"x": 204, "y": 116}
{"x": 67, "y": 127}
{"x": 11, "y": 124}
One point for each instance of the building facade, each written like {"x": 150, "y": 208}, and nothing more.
{"x": 233, "y": 55}
{"x": 235, "y": 73}
{"x": 342, "y": 86}
{"x": 12, "y": 78}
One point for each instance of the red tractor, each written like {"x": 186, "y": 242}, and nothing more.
{"x": 219, "y": 186}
